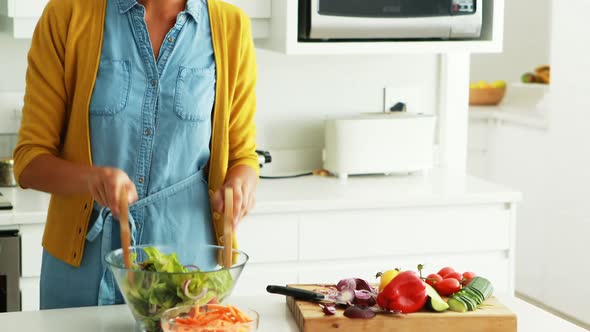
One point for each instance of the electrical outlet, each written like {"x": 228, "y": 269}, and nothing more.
{"x": 411, "y": 96}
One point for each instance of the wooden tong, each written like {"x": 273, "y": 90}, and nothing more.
{"x": 124, "y": 224}
{"x": 228, "y": 228}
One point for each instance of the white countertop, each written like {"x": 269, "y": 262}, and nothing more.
{"x": 439, "y": 187}
{"x": 29, "y": 207}
{"x": 274, "y": 317}
{"x": 317, "y": 193}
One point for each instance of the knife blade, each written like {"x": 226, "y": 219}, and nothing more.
{"x": 304, "y": 295}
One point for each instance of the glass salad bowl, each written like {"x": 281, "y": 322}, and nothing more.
{"x": 160, "y": 280}
{"x": 183, "y": 319}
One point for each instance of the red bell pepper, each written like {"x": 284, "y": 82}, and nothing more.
{"x": 405, "y": 293}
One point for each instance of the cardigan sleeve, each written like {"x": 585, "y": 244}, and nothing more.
{"x": 242, "y": 129}
{"x": 44, "y": 109}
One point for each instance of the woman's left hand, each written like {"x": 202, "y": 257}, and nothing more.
{"x": 242, "y": 179}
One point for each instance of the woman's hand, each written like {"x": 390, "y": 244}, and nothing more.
{"x": 242, "y": 179}
{"x": 105, "y": 183}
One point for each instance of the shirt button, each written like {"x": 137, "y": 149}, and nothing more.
{"x": 171, "y": 39}
{"x": 211, "y": 192}
{"x": 140, "y": 180}
{"x": 148, "y": 132}
{"x": 154, "y": 82}
{"x": 216, "y": 215}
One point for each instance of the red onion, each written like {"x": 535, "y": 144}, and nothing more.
{"x": 191, "y": 296}
{"x": 346, "y": 296}
{"x": 362, "y": 284}
{"x": 345, "y": 284}
{"x": 359, "y": 312}
{"x": 364, "y": 298}
{"x": 328, "y": 309}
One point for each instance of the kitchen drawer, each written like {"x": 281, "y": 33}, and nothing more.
{"x": 29, "y": 294}
{"x": 269, "y": 238}
{"x": 491, "y": 265}
{"x": 31, "y": 249}
{"x": 411, "y": 231}
{"x": 256, "y": 277}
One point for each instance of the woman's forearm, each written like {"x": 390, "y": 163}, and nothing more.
{"x": 51, "y": 174}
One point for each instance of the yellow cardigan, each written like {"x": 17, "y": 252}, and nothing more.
{"x": 62, "y": 67}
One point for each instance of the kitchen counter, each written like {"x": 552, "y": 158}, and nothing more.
{"x": 275, "y": 317}
{"x": 29, "y": 207}
{"x": 314, "y": 193}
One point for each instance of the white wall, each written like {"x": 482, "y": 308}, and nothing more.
{"x": 552, "y": 168}
{"x": 295, "y": 93}
{"x": 526, "y": 42}
{"x": 13, "y": 63}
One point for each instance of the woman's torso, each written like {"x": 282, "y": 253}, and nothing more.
{"x": 151, "y": 118}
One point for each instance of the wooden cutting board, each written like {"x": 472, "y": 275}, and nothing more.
{"x": 493, "y": 317}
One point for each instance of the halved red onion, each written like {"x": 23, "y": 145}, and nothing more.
{"x": 186, "y": 292}
{"x": 346, "y": 295}
{"x": 359, "y": 312}
{"x": 362, "y": 284}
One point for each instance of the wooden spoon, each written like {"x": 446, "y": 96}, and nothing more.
{"x": 124, "y": 224}
{"x": 228, "y": 228}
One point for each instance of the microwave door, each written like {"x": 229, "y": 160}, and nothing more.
{"x": 392, "y": 19}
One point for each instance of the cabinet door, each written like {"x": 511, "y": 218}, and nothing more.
{"x": 29, "y": 288}
{"x": 269, "y": 238}
{"x": 31, "y": 249}
{"x": 256, "y": 277}
{"x": 254, "y": 8}
{"x": 25, "y": 8}
{"x": 408, "y": 231}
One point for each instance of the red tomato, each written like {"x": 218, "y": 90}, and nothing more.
{"x": 433, "y": 279}
{"x": 467, "y": 276}
{"x": 448, "y": 287}
{"x": 454, "y": 275}
{"x": 444, "y": 271}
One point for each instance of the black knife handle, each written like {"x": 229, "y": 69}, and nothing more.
{"x": 300, "y": 294}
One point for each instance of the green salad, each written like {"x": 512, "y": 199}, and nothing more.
{"x": 149, "y": 294}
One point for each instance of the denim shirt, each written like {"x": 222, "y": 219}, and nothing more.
{"x": 152, "y": 117}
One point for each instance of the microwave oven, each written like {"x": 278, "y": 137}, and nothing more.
{"x": 343, "y": 20}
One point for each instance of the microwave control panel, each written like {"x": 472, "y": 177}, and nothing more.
{"x": 463, "y": 7}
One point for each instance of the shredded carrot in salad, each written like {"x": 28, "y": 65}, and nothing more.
{"x": 213, "y": 316}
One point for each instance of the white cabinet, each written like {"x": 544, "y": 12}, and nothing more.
{"x": 19, "y": 17}
{"x": 319, "y": 230}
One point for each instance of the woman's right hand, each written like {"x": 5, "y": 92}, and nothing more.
{"x": 105, "y": 183}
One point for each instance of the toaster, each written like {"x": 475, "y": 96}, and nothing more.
{"x": 379, "y": 143}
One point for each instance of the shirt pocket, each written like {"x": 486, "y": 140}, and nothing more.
{"x": 195, "y": 93}
{"x": 111, "y": 89}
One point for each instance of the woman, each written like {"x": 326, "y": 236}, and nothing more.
{"x": 156, "y": 96}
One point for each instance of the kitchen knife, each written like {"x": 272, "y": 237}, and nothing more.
{"x": 302, "y": 294}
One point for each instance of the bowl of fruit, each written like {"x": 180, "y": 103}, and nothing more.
{"x": 484, "y": 93}
{"x": 207, "y": 318}
{"x": 159, "y": 280}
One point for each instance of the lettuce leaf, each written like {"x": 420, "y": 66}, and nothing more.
{"x": 150, "y": 294}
